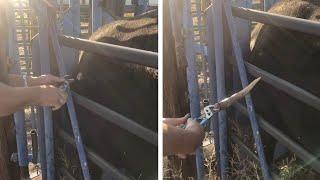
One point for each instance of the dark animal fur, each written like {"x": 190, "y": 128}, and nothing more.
{"x": 125, "y": 88}
{"x": 293, "y": 56}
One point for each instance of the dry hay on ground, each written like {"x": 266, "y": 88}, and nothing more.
{"x": 242, "y": 166}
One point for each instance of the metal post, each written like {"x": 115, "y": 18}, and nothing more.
{"x": 192, "y": 80}
{"x": 39, "y": 114}
{"x": 96, "y": 15}
{"x": 45, "y": 69}
{"x": 214, "y": 125}
{"x": 19, "y": 117}
{"x": 71, "y": 109}
{"x": 244, "y": 36}
{"x": 141, "y": 6}
{"x": 219, "y": 57}
{"x": 107, "y": 16}
{"x": 268, "y": 4}
{"x": 244, "y": 82}
{"x": 71, "y": 27}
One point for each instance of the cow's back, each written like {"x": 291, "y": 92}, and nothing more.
{"x": 293, "y": 56}
{"x": 128, "y": 89}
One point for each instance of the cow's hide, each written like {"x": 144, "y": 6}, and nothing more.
{"x": 125, "y": 88}
{"x": 292, "y": 56}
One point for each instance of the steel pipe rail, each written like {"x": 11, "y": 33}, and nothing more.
{"x": 152, "y": 12}
{"x": 105, "y": 166}
{"x": 192, "y": 81}
{"x": 71, "y": 109}
{"x": 218, "y": 33}
{"x": 65, "y": 172}
{"x": 131, "y": 55}
{"x": 292, "y": 23}
{"x": 116, "y": 118}
{"x": 245, "y": 149}
{"x": 283, "y": 85}
{"x": 303, "y": 154}
{"x": 244, "y": 82}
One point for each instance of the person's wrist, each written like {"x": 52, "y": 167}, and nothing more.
{"x": 29, "y": 95}
{"x": 34, "y": 94}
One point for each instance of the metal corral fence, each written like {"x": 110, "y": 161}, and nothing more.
{"x": 213, "y": 51}
{"x": 69, "y": 19}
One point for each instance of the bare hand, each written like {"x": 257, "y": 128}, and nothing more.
{"x": 197, "y": 133}
{"x": 176, "y": 121}
{"x": 46, "y": 80}
{"x": 51, "y": 96}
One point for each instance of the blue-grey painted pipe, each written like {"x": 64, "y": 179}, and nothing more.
{"x": 19, "y": 117}
{"x": 192, "y": 81}
{"x": 21, "y": 138}
{"x": 45, "y": 69}
{"x": 127, "y": 54}
{"x": 282, "y": 21}
{"x": 141, "y": 7}
{"x": 267, "y": 4}
{"x": 117, "y": 119}
{"x": 199, "y": 150}
{"x": 39, "y": 114}
{"x": 71, "y": 109}
{"x": 113, "y": 173}
{"x": 214, "y": 124}
{"x": 244, "y": 82}
{"x": 221, "y": 94}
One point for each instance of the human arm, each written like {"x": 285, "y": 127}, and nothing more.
{"x": 16, "y": 98}
{"x": 18, "y": 81}
{"x": 177, "y": 140}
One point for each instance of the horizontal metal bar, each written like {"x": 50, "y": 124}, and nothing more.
{"x": 117, "y": 119}
{"x": 245, "y": 149}
{"x": 66, "y": 173}
{"x": 303, "y": 154}
{"x": 283, "y": 85}
{"x": 105, "y": 166}
{"x": 131, "y": 55}
{"x": 152, "y": 12}
{"x": 297, "y": 24}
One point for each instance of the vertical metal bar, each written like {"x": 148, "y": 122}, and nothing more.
{"x": 268, "y": 4}
{"x": 192, "y": 79}
{"x": 202, "y": 48}
{"x": 244, "y": 35}
{"x": 219, "y": 58}
{"x": 26, "y": 55}
{"x": 39, "y": 111}
{"x": 141, "y": 7}
{"x": 45, "y": 69}
{"x": 71, "y": 27}
{"x": 19, "y": 117}
{"x": 244, "y": 82}
{"x": 106, "y": 16}
{"x": 96, "y": 15}
{"x": 214, "y": 125}
{"x": 71, "y": 109}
